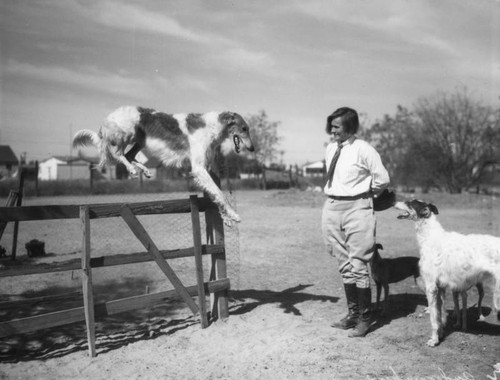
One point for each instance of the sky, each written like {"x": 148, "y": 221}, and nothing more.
{"x": 65, "y": 65}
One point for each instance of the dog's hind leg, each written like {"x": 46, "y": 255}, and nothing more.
{"x": 385, "y": 309}
{"x": 480, "y": 292}
{"x": 460, "y": 314}
{"x": 130, "y": 157}
{"x": 379, "y": 291}
{"x": 456, "y": 313}
{"x": 120, "y": 157}
{"x": 464, "y": 310}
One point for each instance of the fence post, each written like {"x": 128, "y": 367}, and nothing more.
{"x": 88, "y": 295}
{"x": 19, "y": 203}
{"x": 195, "y": 220}
{"x": 91, "y": 178}
{"x": 215, "y": 235}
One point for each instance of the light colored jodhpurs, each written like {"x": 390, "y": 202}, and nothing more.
{"x": 349, "y": 233}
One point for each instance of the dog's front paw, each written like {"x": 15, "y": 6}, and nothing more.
{"x": 233, "y": 216}
{"x": 230, "y": 220}
{"x": 433, "y": 342}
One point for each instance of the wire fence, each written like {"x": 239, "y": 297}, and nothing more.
{"x": 62, "y": 241}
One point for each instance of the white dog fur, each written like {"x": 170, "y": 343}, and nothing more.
{"x": 450, "y": 260}
{"x": 172, "y": 139}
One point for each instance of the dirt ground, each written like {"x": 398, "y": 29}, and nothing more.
{"x": 286, "y": 292}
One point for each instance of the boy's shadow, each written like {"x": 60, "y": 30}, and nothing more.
{"x": 286, "y": 299}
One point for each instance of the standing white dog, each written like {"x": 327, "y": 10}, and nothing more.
{"x": 172, "y": 139}
{"x": 450, "y": 260}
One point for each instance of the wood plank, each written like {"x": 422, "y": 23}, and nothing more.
{"x": 27, "y": 213}
{"x": 147, "y": 300}
{"x": 104, "y": 261}
{"x": 104, "y": 210}
{"x": 38, "y": 300}
{"x": 64, "y": 317}
{"x": 141, "y": 234}
{"x": 43, "y": 321}
{"x": 88, "y": 293}
{"x": 196, "y": 226}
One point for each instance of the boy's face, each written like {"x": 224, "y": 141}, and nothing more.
{"x": 337, "y": 131}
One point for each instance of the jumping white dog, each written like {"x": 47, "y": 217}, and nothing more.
{"x": 172, "y": 139}
{"x": 450, "y": 260}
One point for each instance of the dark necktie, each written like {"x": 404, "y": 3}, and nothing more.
{"x": 331, "y": 169}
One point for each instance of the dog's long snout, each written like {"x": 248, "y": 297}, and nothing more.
{"x": 248, "y": 144}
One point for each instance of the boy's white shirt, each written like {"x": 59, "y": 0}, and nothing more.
{"x": 359, "y": 169}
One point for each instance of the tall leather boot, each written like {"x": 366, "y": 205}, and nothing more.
{"x": 365, "y": 313}
{"x": 351, "y": 319}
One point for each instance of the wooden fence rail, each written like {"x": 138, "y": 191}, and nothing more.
{"x": 217, "y": 285}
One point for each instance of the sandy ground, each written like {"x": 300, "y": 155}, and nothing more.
{"x": 285, "y": 294}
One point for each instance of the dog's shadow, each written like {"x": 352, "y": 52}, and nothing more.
{"x": 474, "y": 326}
{"x": 407, "y": 305}
{"x": 248, "y": 300}
{"x": 399, "y": 306}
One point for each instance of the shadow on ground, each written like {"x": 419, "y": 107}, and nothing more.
{"x": 407, "y": 305}
{"x": 112, "y": 332}
{"x": 286, "y": 299}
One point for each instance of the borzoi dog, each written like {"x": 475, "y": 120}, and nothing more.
{"x": 172, "y": 139}
{"x": 450, "y": 260}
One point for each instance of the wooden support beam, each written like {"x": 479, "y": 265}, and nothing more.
{"x": 195, "y": 220}
{"x": 88, "y": 294}
{"x": 141, "y": 234}
{"x": 215, "y": 235}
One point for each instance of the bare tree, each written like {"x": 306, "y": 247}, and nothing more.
{"x": 264, "y": 134}
{"x": 391, "y": 136}
{"x": 458, "y": 136}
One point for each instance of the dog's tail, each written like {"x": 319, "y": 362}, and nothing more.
{"x": 86, "y": 137}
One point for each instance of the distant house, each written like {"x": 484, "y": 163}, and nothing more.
{"x": 68, "y": 167}
{"x": 314, "y": 169}
{"x": 47, "y": 170}
{"x": 8, "y": 161}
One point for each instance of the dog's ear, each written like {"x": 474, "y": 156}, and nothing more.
{"x": 433, "y": 208}
{"x": 428, "y": 210}
{"x": 227, "y": 118}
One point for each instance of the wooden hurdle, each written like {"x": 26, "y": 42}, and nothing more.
{"x": 217, "y": 285}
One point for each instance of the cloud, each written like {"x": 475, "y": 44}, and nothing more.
{"x": 131, "y": 17}
{"x": 232, "y": 54}
{"x": 89, "y": 78}
{"x": 238, "y": 58}
{"x": 394, "y": 21}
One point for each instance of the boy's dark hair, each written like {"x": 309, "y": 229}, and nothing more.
{"x": 349, "y": 118}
